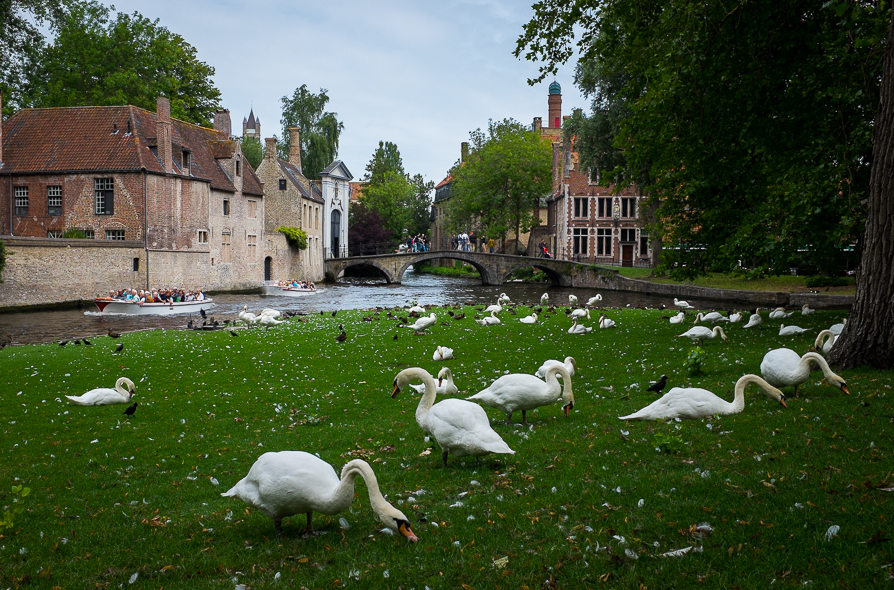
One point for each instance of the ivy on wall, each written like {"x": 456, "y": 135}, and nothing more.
{"x": 294, "y": 236}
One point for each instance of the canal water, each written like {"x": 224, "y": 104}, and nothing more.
{"x": 46, "y": 326}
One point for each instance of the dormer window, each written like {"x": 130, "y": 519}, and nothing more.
{"x": 187, "y": 161}
{"x": 238, "y": 167}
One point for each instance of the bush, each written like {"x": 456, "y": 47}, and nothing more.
{"x": 294, "y": 236}
{"x": 74, "y": 233}
{"x": 819, "y": 281}
{"x": 694, "y": 363}
{"x": 10, "y": 512}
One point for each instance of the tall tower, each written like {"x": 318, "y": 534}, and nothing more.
{"x": 251, "y": 127}
{"x": 555, "y": 106}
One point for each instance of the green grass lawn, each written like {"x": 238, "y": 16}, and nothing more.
{"x": 586, "y": 502}
{"x": 782, "y": 283}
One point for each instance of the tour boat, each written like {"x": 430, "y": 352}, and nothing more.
{"x": 113, "y": 306}
{"x": 272, "y": 288}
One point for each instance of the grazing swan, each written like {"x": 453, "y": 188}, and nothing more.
{"x": 576, "y": 329}
{"x": 754, "y": 319}
{"x": 294, "y": 482}
{"x": 495, "y": 308}
{"x": 459, "y": 426}
{"x": 503, "y": 299}
{"x": 423, "y": 323}
{"x": 105, "y": 396}
{"x": 682, "y": 304}
{"x": 416, "y": 309}
{"x": 790, "y": 330}
{"x": 712, "y": 317}
{"x": 699, "y": 333}
{"x": 572, "y": 300}
{"x": 269, "y": 312}
{"x": 544, "y": 299}
{"x": 606, "y": 323}
{"x": 807, "y": 311}
{"x": 829, "y": 337}
{"x": 735, "y": 318}
{"x": 678, "y": 319}
{"x": 268, "y": 320}
{"x": 570, "y": 365}
{"x": 580, "y": 314}
{"x": 529, "y": 319}
{"x": 524, "y": 392}
{"x": 446, "y": 386}
{"x": 692, "y": 403}
{"x": 593, "y": 300}
{"x": 782, "y": 367}
{"x": 249, "y": 319}
{"x": 491, "y": 320}
{"x": 779, "y": 314}
{"x": 442, "y": 353}
{"x": 837, "y": 328}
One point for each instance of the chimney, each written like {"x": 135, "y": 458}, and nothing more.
{"x": 555, "y": 105}
{"x": 163, "y": 132}
{"x": 222, "y": 122}
{"x": 270, "y": 148}
{"x": 464, "y": 151}
{"x": 295, "y": 148}
{"x": 538, "y": 124}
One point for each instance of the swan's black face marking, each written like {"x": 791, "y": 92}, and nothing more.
{"x": 782, "y": 401}
{"x": 843, "y": 387}
{"x": 404, "y": 527}
{"x": 568, "y": 407}
{"x": 396, "y": 389}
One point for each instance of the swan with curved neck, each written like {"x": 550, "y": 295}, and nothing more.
{"x": 783, "y": 367}
{"x": 529, "y": 319}
{"x": 294, "y": 482}
{"x": 699, "y": 333}
{"x": 825, "y": 341}
{"x": 105, "y": 396}
{"x": 754, "y": 319}
{"x": 712, "y": 317}
{"x": 606, "y": 323}
{"x": 491, "y": 320}
{"x": 592, "y": 301}
{"x": 446, "y": 386}
{"x": 569, "y": 363}
{"x": 460, "y": 427}
{"x": 692, "y": 403}
{"x": 525, "y": 392}
{"x": 580, "y": 314}
{"x": 578, "y": 328}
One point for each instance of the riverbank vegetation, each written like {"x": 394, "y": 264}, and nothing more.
{"x": 781, "y": 283}
{"x": 772, "y": 496}
{"x": 459, "y": 270}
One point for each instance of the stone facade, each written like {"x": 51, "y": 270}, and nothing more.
{"x": 335, "y": 186}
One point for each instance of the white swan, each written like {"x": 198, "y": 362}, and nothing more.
{"x": 790, "y": 330}
{"x": 446, "y": 386}
{"x": 825, "y": 341}
{"x": 735, "y": 318}
{"x": 294, "y": 482}
{"x": 779, "y": 314}
{"x": 249, "y": 319}
{"x": 580, "y": 314}
{"x": 495, "y": 308}
{"x": 570, "y": 365}
{"x": 423, "y": 323}
{"x": 572, "y": 300}
{"x": 807, "y": 311}
{"x": 678, "y": 319}
{"x": 783, "y": 367}
{"x": 520, "y": 391}
{"x": 544, "y": 299}
{"x": 416, "y": 309}
{"x": 442, "y": 353}
{"x": 754, "y": 319}
{"x": 268, "y": 320}
{"x": 491, "y": 320}
{"x": 269, "y": 312}
{"x": 712, "y": 317}
{"x": 460, "y": 427}
{"x": 105, "y": 396}
{"x": 529, "y": 319}
{"x": 605, "y": 322}
{"x": 503, "y": 299}
{"x": 837, "y": 328}
{"x": 593, "y": 300}
{"x": 699, "y": 333}
{"x": 693, "y": 403}
{"x": 682, "y": 304}
{"x": 578, "y": 329}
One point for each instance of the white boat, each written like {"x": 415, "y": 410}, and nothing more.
{"x": 271, "y": 288}
{"x": 113, "y": 306}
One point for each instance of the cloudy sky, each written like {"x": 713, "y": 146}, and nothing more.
{"x": 420, "y": 74}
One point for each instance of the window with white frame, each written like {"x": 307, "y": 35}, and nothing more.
{"x": 226, "y": 254}
{"x": 89, "y": 234}
{"x": 581, "y": 207}
{"x": 628, "y": 235}
{"x": 628, "y": 207}
{"x": 604, "y": 207}
{"x": 604, "y": 242}
{"x": 643, "y": 245}
{"x": 21, "y": 198}
{"x": 252, "y": 247}
{"x": 203, "y": 236}
{"x": 579, "y": 241}
{"x": 104, "y": 196}
{"x": 54, "y": 200}
{"x": 115, "y": 234}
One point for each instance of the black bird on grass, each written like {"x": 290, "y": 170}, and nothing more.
{"x": 343, "y": 336}
{"x": 658, "y": 385}
{"x": 119, "y": 348}
{"x": 189, "y": 325}
{"x": 334, "y": 312}
{"x": 63, "y": 342}
{"x": 131, "y": 408}
{"x": 87, "y": 342}
{"x": 395, "y": 336}
{"x": 233, "y": 333}
{"x": 78, "y": 342}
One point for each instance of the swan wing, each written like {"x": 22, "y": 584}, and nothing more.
{"x": 463, "y": 428}
{"x": 103, "y": 396}
{"x": 781, "y": 367}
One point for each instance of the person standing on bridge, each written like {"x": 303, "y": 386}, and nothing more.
{"x": 490, "y": 245}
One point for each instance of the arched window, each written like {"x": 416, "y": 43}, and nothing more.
{"x": 336, "y": 232}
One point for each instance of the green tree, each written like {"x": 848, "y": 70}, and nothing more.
{"x": 385, "y": 159}
{"x": 495, "y": 188}
{"x": 401, "y": 201}
{"x": 254, "y": 152}
{"x": 749, "y": 122}
{"x": 2, "y": 259}
{"x": 319, "y": 130}
{"x": 98, "y": 59}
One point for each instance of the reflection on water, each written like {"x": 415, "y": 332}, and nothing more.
{"x": 46, "y": 326}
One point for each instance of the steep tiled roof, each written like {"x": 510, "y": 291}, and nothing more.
{"x": 335, "y": 164}
{"x": 294, "y": 175}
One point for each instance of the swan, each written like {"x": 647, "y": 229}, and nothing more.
{"x": 459, "y": 426}
{"x": 735, "y": 318}
{"x": 593, "y": 300}
{"x": 572, "y": 300}
{"x": 678, "y": 319}
{"x": 442, "y": 353}
{"x": 268, "y": 320}
{"x": 782, "y": 367}
{"x": 682, "y": 304}
{"x": 807, "y": 311}
{"x": 423, "y": 323}
{"x": 712, "y": 317}
{"x": 268, "y": 312}
{"x": 544, "y": 299}
{"x": 570, "y": 365}
{"x": 446, "y": 386}
{"x": 837, "y": 328}
{"x": 495, "y": 308}
{"x": 529, "y": 319}
{"x": 699, "y": 333}
{"x": 249, "y": 319}
{"x": 416, "y": 309}
{"x": 576, "y": 329}
{"x": 605, "y": 323}
{"x": 105, "y": 396}
{"x": 790, "y": 330}
{"x": 580, "y": 314}
{"x": 692, "y": 403}
{"x": 503, "y": 299}
{"x": 779, "y": 314}
{"x": 491, "y": 320}
{"x": 754, "y": 319}
{"x": 830, "y": 339}
{"x": 520, "y": 391}
{"x": 294, "y": 482}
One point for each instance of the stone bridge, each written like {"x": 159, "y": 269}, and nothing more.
{"x": 493, "y": 268}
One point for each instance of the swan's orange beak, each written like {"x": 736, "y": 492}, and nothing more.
{"x": 567, "y": 408}
{"x": 782, "y": 401}
{"x": 440, "y": 380}
{"x": 404, "y": 529}
{"x": 844, "y": 388}
{"x": 396, "y": 390}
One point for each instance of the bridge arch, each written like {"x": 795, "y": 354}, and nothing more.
{"x": 556, "y": 278}
{"x": 333, "y": 274}
{"x": 488, "y": 277}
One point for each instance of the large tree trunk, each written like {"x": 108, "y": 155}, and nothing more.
{"x": 868, "y": 337}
